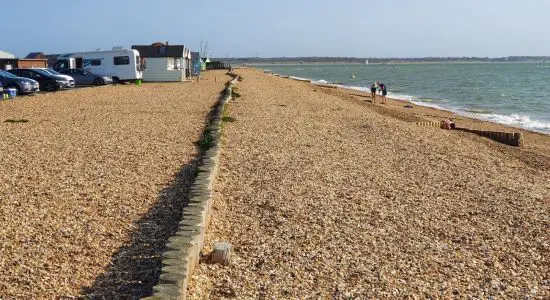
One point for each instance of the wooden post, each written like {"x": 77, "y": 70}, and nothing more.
{"x": 221, "y": 253}
{"x": 518, "y": 139}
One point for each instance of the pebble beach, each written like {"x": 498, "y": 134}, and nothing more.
{"x": 321, "y": 193}
{"x": 324, "y": 195}
{"x": 92, "y": 185}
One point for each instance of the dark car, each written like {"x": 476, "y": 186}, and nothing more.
{"x": 47, "y": 81}
{"x": 84, "y": 77}
{"x": 21, "y": 84}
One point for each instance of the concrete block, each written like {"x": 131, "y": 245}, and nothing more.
{"x": 169, "y": 290}
{"x": 176, "y": 254}
{"x": 187, "y": 230}
{"x": 175, "y": 269}
{"x": 191, "y": 222}
{"x": 175, "y": 262}
{"x": 176, "y": 278}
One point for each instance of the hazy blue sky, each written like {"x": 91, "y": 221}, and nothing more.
{"x": 361, "y": 28}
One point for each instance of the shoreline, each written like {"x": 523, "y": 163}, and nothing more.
{"x": 458, "y": 112}
{"x": 387, "y": 63}
{"x": 429, "y": 113}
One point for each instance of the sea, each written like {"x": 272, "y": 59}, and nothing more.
{"x": 511, "y": 93}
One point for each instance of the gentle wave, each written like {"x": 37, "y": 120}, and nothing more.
{"x": 478, "y": 110}
{"x": 321, "y": 81}
{"x": 299, "y": 78}
{"x": 517, "y": 120}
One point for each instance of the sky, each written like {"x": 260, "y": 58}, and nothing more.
{"x": 291, "y": 28}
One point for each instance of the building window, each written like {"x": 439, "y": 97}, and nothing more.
{"x": 169, "y": 64}
{"x": 121, "y": 60}
{"x": 173, "y": 63}
{"x": 95, "y": 62}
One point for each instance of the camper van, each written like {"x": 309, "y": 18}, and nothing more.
{"x": 121, "y": 64}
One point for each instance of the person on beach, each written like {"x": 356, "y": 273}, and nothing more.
{"x": 373, "y": 89}
{"x": 384, "y": 92}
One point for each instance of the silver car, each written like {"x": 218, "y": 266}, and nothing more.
{"x": 84, "y": 77}
{"x": 21, "y": 84}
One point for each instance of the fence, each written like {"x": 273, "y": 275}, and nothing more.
{"x": 217, "y": 65}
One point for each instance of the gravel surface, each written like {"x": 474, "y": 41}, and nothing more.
{"x": 325, "y": 195}
{"x": 93, "y": 184}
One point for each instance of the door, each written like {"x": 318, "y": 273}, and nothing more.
{"x": 78, "y": 61}
{"x": 33, "y": 75}
{"x": 85, "y": 77}
{"x": 74, "y": 75}
{"x": 61, "y": 65}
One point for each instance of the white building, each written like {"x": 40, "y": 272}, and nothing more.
{"x": 6, "y": 55}
{"x": 164, "y": 62}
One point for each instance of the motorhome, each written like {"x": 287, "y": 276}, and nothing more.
{"x": 121, "y": 64}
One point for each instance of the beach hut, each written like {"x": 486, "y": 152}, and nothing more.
{"x": 164, "y": 62}
{"x": 204, "y": 62}
{"x": 188, "y": 62}
{"x": 195, "y": 64}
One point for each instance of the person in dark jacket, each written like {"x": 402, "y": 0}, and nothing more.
{"x": 384, "y": 91}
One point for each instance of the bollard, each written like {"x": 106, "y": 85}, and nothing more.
{"x": 221, "y": 254}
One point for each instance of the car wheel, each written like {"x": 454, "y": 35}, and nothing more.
{"x": 98, "y": 81}
{"x": 116, "y": 80}
{"x": 49, "y": 87}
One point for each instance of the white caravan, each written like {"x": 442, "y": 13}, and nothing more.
{"x": 122, "y": 65}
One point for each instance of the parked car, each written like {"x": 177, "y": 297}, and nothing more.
{"x": 21, "y": 84}
{"x": 83, "y": 77}
{"x": 54, "y": 72}
{"x": 46, "y": 81}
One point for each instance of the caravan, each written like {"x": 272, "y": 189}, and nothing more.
{"x": 122, "y": 65}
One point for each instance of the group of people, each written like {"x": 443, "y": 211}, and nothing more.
{"x": 378, "y": 86}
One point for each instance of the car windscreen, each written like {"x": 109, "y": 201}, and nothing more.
{"x": 42, "y": 72}
{"x": 7, "y": 74}
{"x": 52, "y": 71}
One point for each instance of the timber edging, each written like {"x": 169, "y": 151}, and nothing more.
{"x": 183, "y": 249}
{"x": 509, "y": 138}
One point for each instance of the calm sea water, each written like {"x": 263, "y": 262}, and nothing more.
{"x": 516, "y": 94}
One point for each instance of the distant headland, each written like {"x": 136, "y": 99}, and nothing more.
{"x": 375, "y": 60}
